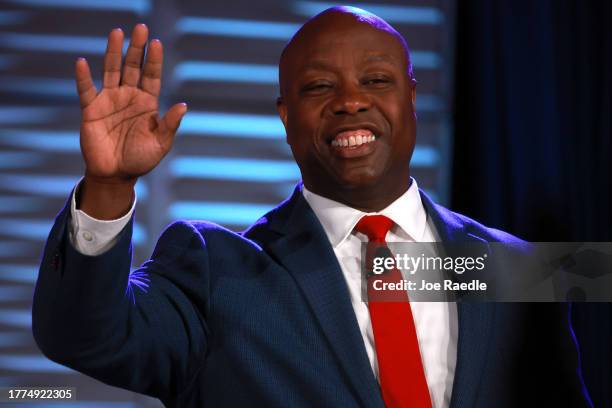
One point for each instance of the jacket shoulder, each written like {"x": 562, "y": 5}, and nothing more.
{"x": 488, "y": 233}
{"x": 190, "y": 232}
{"x": 477, "y": 229}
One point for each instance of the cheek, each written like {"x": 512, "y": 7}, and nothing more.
{"x": 403, "y": 123}
{"x": 303, "y": 122}
{"x": 402, "y": 116}
{"x": 295, "y": 126}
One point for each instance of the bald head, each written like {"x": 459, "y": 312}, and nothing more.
{"x": 336, "y": 19}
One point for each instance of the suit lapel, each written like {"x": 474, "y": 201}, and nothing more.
{"x": 476, "y": 319}
{"x": 304, "y": 250}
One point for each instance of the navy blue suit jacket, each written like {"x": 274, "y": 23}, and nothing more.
{"x": 263, "y": 318}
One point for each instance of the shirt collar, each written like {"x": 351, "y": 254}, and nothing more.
{"x": 339, "y": 220}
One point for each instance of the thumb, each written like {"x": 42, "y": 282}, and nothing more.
{"x": 172, "y": 119}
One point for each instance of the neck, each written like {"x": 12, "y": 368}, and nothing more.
{"x": 367, "y": 199}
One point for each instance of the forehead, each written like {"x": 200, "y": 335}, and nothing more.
{"x": 346, "y": 42}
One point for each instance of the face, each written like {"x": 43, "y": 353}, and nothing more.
{"x": 348, "y": 108}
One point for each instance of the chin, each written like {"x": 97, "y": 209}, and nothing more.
{"x": 358, "y": 181}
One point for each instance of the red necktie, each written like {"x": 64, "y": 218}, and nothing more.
{"x": 402, "y": 378}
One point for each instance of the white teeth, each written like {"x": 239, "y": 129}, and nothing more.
{"x": 353, "y": 138}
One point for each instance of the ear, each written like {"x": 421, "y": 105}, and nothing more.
{"x": 282, "y": 113}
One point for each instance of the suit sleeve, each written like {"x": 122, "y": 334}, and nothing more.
{"x": 143, "y": 330}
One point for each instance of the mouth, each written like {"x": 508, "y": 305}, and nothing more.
{"x": 353, "y": 143}
{"x": 353, "y": 138}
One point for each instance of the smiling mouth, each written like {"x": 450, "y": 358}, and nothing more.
{"x": 353, "y": 138}
{"x": 354, "y": 144}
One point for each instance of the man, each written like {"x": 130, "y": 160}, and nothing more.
{"x": 274, "y": 316}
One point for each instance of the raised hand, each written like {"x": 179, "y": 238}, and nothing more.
{"x": 122, "y": 134}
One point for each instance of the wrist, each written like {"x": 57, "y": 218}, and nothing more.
{"x": 105, "y": 198}
{"x": 110, "y": 182}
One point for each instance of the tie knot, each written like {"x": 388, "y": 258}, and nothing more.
{"x": 375, "y": 227}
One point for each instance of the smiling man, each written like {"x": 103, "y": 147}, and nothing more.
{"x": 347, "y": 102}
{"x": 274, "y": 316}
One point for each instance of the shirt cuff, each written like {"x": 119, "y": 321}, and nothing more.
{"x": 91, "y": 236}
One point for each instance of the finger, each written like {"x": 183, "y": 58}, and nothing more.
{"x": 133, "y": 57}
{"x": 171, "y": 121}
{"x": 85, "y": 87}
{"x": 112, "y": 59}
{"x": 151, "y": 74}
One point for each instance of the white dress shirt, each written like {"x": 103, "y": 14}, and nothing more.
{"x": 435, "y": 322}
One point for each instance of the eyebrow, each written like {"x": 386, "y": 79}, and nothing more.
{"x": 316, "y": 65}
{"x": 380, "y": 58}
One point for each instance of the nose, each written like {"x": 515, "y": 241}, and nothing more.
{"x": 350, "y": 100}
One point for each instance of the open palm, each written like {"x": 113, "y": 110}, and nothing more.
{"x": 122, "y": 134}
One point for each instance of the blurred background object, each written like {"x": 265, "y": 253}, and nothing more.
{"x": 533, "y": 136}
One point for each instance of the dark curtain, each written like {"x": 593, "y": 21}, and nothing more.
{"x": 533, "y": 130}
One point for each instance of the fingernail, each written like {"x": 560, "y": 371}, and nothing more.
{"x": 142, "y": 24}
{"x": 80, "y": 59}
{"x": 184, "y": 104}
{"x": 117, "y": 29}
{"x": 156, "y": 40}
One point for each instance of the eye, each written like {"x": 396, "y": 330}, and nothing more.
{"x": 377, "y": 81}
{"x": 316, "y": 86}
